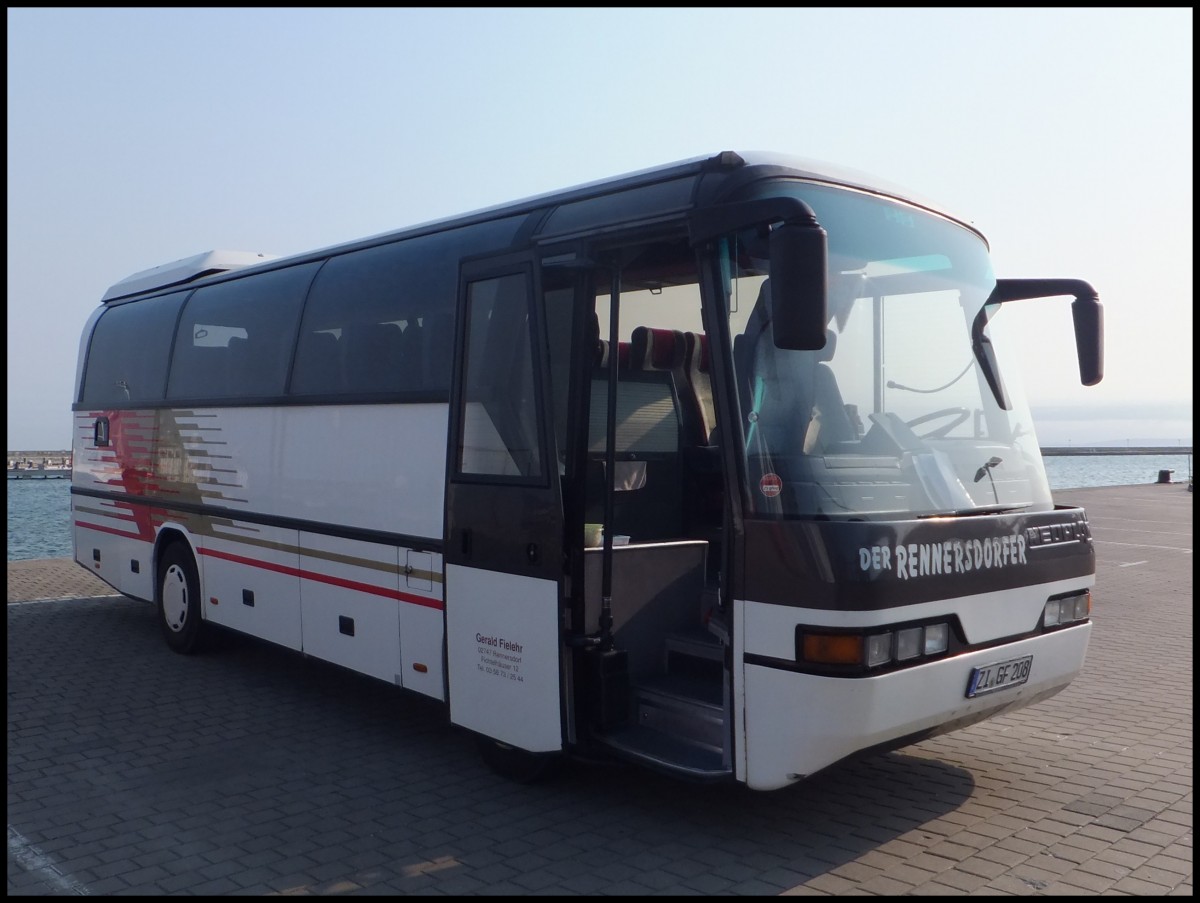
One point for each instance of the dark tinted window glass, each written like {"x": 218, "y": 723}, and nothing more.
{"x": 127, "y": 357}
{"x": 381, "y": 320}
{"x": 620, "y": 207}
{"x": 236, "y": 338}
{"x": 500, "y": 414}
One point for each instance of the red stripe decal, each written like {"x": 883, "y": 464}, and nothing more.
{"x": 326, "y": 578}
{"x": 111, "y": 530}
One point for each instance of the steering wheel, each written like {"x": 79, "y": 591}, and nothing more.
{"x": 959, "y": 415}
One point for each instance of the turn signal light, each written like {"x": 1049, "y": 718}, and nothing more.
{"x": 871, "y": 650}
{"x": 833, "y": 649}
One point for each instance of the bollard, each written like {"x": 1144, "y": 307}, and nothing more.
{"x": 1164, "y": 476}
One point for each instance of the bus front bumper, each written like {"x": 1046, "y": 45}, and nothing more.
{"x": 797, "y": 724}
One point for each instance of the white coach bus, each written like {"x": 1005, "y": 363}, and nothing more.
{"x": 712, "y": 467}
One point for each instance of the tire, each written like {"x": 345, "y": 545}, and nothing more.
{"x": 179, "y": 605}
{"x": 517, "y": 765}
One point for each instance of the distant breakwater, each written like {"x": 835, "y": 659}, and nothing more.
{"x": 39, "y": 465}
{"x": 1117, "y": 450}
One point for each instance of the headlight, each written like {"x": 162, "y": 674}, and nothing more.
{"x": 879, "y": 649}
{"x": 1067, "y": 609}
{"x": 1054, "y": 613}
{"x": 937, "y": 639}
{"x": 908, "y": 643}
{"x": 870, "y": 650}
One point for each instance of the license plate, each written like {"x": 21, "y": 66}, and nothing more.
{"x": 999, "y": 676}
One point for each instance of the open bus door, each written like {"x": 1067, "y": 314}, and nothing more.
{"x": 503, "y": 528}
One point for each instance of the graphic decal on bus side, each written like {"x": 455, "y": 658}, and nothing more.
{"x": 177, "y": 455}
{"x": 954, "y": 556}
{"x": 144, "y": 459}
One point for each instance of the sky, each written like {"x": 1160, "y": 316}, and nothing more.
{"x": 141, "y": 136}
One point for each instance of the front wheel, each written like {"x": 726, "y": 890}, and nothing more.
{"x": 179, "y": 600}
{"x": 517, "y": 765}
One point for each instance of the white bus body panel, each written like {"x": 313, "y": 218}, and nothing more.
{"x": 795, "y": 724}
{"x": 380, "y": 467}
{"x": 502, "y": 637}
{"x": 105, "y": 543}
{"x": 360, "y": 611}
{"x": 350, "y": 599}
{"x": 422, "y": 628}
{"x": 248, "y": 580}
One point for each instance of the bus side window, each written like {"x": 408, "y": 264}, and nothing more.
{"x": 437, "y": 334}
{"x": 255, "y": 365}
{"x": 373, "y": 357}
{"x": 500, "y": 434}
{"x": 235, "y": 338}
{"x": 236, "y": 365}
{"x": 318, "y": 365}
{"x": 412, "y": 355}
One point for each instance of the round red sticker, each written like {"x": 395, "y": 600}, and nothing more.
{"x": 770, "y": 485}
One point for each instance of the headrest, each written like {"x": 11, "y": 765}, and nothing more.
{"x": 697, "y": 351}
{"x": 601, "y": 359}
{"x": 656, "y": 349}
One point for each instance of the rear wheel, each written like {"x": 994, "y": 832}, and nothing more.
{"x": 179, "y": 600}
{"x": 515, "y": 764}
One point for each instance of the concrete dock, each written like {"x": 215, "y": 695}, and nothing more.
{"x": 53, "y": 578}
{"x": 252, "y": 770}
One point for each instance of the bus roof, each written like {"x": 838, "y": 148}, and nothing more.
{"x": 747, "y": 164}
{"x": 727, "y": 161}
{"x": 180, "y": 272}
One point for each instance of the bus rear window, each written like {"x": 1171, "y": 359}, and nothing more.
{"x": 127, "y": 358}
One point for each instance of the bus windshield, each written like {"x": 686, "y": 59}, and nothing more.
{"x": 895, "y": 416}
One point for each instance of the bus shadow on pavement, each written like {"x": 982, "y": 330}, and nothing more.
{"x": 255, "y": 749}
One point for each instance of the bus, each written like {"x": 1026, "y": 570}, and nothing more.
{"x": 718, "y": 468}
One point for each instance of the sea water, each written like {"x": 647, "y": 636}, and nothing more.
{"x": 39, "y": 511}
{"x": 1084, "y": 471}
{"x": 39, "y": 519}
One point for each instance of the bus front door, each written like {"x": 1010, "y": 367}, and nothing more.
{"x": 503, "y": 532}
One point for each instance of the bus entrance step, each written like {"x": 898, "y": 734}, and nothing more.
{"x": 697, "y": 657}
{"x": 665, "y": 753}
{"x": 698, "y": 643}
{"x": 683, "y": 707}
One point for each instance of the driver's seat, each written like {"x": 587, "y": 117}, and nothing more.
{"x": 830, "y": 421}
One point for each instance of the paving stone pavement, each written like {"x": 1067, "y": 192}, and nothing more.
{"x": 251, "y": 770}
{"x": 53, "y": 578}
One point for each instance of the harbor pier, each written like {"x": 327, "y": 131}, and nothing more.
{"x": 39, "y": 465}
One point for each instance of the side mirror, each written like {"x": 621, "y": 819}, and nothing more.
{"x": 1088, "y": 315}
{"x": 798, "y": 257}
{"x": 1086, "y": 311}
{"x": 799, "y": 286}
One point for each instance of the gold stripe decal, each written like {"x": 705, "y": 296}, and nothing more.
{"x": 325, "y": 578}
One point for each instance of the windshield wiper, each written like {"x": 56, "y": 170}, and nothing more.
{"x": 972, "y": 512}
